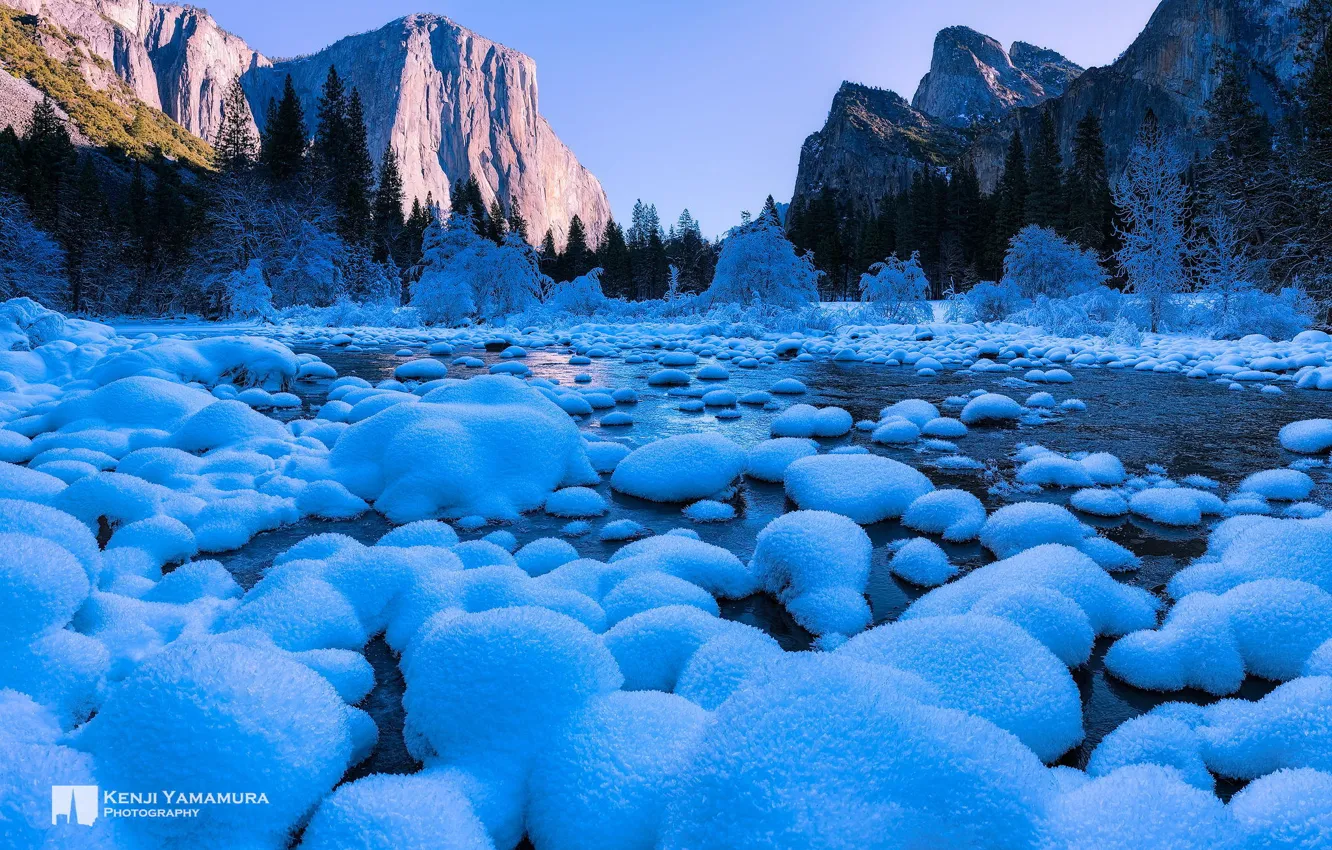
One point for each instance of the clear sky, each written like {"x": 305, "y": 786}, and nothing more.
{"x": 703, "y": 103}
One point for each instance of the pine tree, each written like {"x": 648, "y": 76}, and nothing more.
{"x": 1045, "y": 193}
{"x": 83, "y": 234}
{"x": 236, "y": 148}
{"x": 770, "y": 210}
{"x": 388, "y": 224}
{"x": 1091, "y": 210}
{"x": 284, "y": 140}
{"x": 465, "y": 197}
{"x": 357, "y": 176}
{"x": 11, "y": 161}
{"x": 517, "y": 224}
{"x": 576, "y": 259}
{"x": 1013, "y": 190}
{"x": 549, "y": 254}
{"x": 617, "y": 280}
{"x": 48, "y": 155}
{"x": 330, "y": 141}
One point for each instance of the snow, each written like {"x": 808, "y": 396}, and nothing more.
{"x": 825, "y": 751}
{"x": 683, "y": 468}
{"x": 1024, "y": 525}
{"x": 956, "y": 515}
{"x": 990, "y": 409}
{"x": 223, "y": 714}
{"x": 804, "y": 420}
{"x": 1308, "y": 436}
{"x": 768, "y": 460}
{"x": 490, "y": 447}
{"x": 987, "y": 667}
{"x": 1267, "y": 628}
{"x": 429, "y": 809}
{"x": 1287, "y": 485}
{"x": 921, "y": 561}
{"x": 867, "y": 488}
{"x": 817, "y": 563}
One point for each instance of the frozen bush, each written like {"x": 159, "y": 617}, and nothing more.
{"x": 759, "y": 265}
{"x": 899, "y": 288}
{"x": 1040, "y": 262}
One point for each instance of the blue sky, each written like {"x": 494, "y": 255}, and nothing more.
{"x": 703, "y": 104}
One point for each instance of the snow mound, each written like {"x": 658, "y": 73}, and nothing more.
{"x": 382, "y": 811}
{"x": 1308, "y": 436}
{"x": 956, "y": 515}
{"x": 867, "y": 488}
{"x": 1247, "y": 548}
{"x": 604, "y": 782}
{"x": 805, "y": 420}
{"x": 218, "y": 714}
{"x": 1013, "y": 528}
{"x": 826, "y": 752}
{"x": 817, "y": 564}
{"x": 990, "y": 409}
{"x": 490, "y": 446}
{"x": 1268, "y": 628}
{"x": 988, "y": 667}
{"x": 922, "y": 562}
{"x": 1028, "y": 587}
{"x": 682, "y": 468}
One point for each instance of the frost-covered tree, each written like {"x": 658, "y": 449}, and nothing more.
{"x": 899, "y": 288}
{"x": 581, "y": 296}
{"x": 1040, "y": 262}
{"x": 442, "y": 293}
{"x": 673, "y": 283}
{"x": 759, "y": 265}
{"x": 1224, "y": 266}
{"x": 1153, "y": 202}
{"x": 31, "y": 263}
{"x": 512, "y": 282}
{"x": 247, "y": 293}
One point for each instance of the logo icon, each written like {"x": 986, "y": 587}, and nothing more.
{"x": 74, "y": 803}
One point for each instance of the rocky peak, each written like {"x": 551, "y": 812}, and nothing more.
{"x": 452, "y": 104}
{"x": 1047, "y": 67}
{"x": 972, "y": 77}
{"x": 871, "y": 145}
{"x": 174, "y": 58}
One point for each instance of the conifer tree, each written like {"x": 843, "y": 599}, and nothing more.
{"x": 1013, "y": 190}
{"x": 236, "y": 148}
{"x": 549, "y": 254}
{"x": 497, "y": 224}
{"x": 388, "y": 224}
{"x": 1045, "y": 194}
{"x": 576, "y": 259}
{"x": 330, "y": 140}
{"x": 48, "y": 155}
{"x": 284, "y": 139}
{"x": 1091, "y": 209}
{"x": 517, "y": 224}
{"x": 355, "y": 181}
{"x": 613, "y": 256}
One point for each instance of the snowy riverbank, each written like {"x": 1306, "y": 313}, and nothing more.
{"x": 578, "y": 685}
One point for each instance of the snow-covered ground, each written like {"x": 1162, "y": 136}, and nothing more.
{"x": 572, "y": 529}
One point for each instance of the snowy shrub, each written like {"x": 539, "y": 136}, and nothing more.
{"x": 463, "y": 274}
{"x": 758, "y": 265}
{"x": 1039, "y": 262}
{"x": 513, "y": 283}
{"x": 581, "y": 296}
{"x": 442, "y": 293}
{"x": 247, "y": 293}
{"x": 31, "y": 263}
{"x": 988, "y": 302}
{"x": 901, "y": 288}
{"x": 1248, "y": 311}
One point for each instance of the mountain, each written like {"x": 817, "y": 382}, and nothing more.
{"x": 870, "y": 146}
{"x": 452, "y": 103}
{"x": 973, "y": 78}
{"x": 1170, "y": 68}
{"x": 173, "y": 58}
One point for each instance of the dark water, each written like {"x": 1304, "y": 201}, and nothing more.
{"x": 1186, "y": 426}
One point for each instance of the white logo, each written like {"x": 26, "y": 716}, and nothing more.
{"x": 83, "y": 799}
